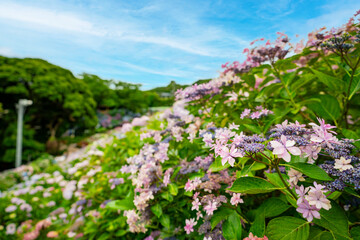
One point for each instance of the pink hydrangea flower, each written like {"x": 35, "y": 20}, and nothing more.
{"x": 233, "y": 126}
{"x": 189, "y": 227}
{"x": 195, "y": 204}
{"x": 282, "y": 149}
{"x": 228, "y": 155}
{"x": 294, "y": 177}
{"x": 252, "y": 237}
{"x": 235, "y": 199}
{"x": 308, "y": 212}
{"x": 316, "y": 197}
{"x": 210, "y": 208}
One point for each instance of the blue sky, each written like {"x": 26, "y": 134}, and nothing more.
{"x": 153, "y": 42}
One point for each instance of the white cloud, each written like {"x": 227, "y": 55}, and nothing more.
{"x": 171, "y": 72}
{"x": 6, "y": 52}
{"x": 336, "y": 18}
{"x": 47, "y": 18}
{"x": 194, "y": 38}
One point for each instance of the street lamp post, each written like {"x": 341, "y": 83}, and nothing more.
{"x": 21, "y": 109}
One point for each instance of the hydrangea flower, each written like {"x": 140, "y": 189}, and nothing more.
{"x": 294, "y": 177}
{"x": 210, "y": 208}
{"x": 343, "y": 164}
{"x": 10, "y": 229}
{"x": 316, "y": 197}
{"x": 235, "y": 199}
{"x": 189, "y": 227}
{"x": 308, "y": 212}
{"x": 282, "y": 149}
{"x": 227, "y": 155}
{"x": 195, "y": 204}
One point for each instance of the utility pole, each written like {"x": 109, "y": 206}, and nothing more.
{"x": 21, "y": 109}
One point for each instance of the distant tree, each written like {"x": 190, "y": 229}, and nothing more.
{"x": 130, "y": 96}
{"x": 104, "y": 96}
{"x": 58, "y": 97}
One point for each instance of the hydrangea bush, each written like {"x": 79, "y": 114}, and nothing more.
{"x": 268, "y": 150}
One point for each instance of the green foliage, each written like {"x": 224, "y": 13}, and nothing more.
{"x": 289, "y": 228}
{"x": 310, "y": 170}
{"x": 252, "y": 185}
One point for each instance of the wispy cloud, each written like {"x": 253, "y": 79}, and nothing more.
{"x": 59, "y": 20}
{"x": 169, "y": 72}
{"x": 154, "y": 41}
{"x": 47, "y": 18}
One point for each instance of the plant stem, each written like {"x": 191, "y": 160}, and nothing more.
{"x": 347, "y": 97}
{"x": 284, "y": 182}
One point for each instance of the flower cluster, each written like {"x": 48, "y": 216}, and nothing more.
{"x": 311, "y": 200}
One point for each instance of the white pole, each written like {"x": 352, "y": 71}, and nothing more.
{"x": 20, "y": 108}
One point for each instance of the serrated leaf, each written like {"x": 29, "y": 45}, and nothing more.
{"x": 355, "y": 86}
{"x": 232, "y": 228}
{"x": 333, "y": 83}
{"x": 288, "y": 228}
{"x": 252, "y": 185}
{"x": 310, "y": 170}
{"x": 335, "y": 221}
{"x": 328, "y": 107}
{"x": 217, "y": 166}
{"x": 220, "y": 215}
{"x": 273, "y": 207}
{"x": 352, "y": 135}
{"x": 258, "y": 226}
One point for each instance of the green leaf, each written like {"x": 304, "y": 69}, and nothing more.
{"x": 301, "y": 81}
{"x": 253, "y": 128}
{"x": 220, "y": 215}
{"x": 335, "y": 221}
{"x": 291, "y": 228}
{"x": 173, "y": 189}
{"x": 157, "y": 210}
{"x": 351, "y": 135}
{"x": 334, "y": 195}
{"x": 269, "y": 90}
{"x": 232, "y": 227}
{"x": 310, "y": 170}
{"x": 328, "y": 107}
{"x": 258, "y": 226}
{"x": 248, "y": 168}
{"x": 355, "y": 86}
{"x": 125, "y": 204}
{"x": 121, "y": 233}
{"x": 352, "y": 192}
{"x": 273, "y": 207}
{"x": 274, "y": 178}
{"x": 355, "y": 232}
{"x": 252, "y": 185}
{"x": 167, "y": 196}
{"x": 333, "y": 83}
{"x": 104, "y": 236}
{"x": 165, "y": 221}
{"x": 324, "y": 235}
{"x": 216, "y": 166}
